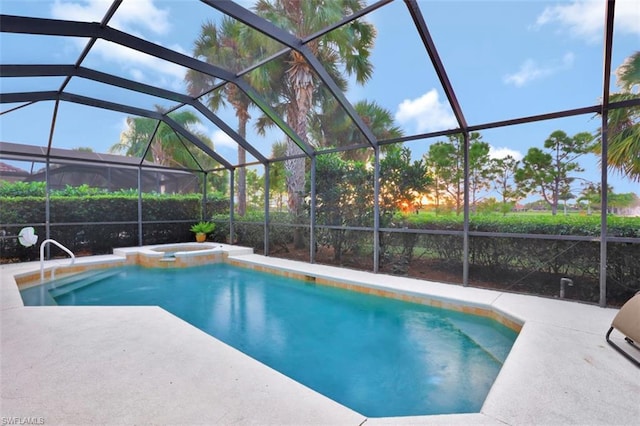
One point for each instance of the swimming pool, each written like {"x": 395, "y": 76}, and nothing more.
{"x": 378, "y": 356}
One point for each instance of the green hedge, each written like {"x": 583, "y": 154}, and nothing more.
{"x": 70, "y": 207}
{"x": 22, "y": 210}
{"x": 523, "y": 223}
{"x": 519, "y": 264}
{"x": 249, "y": 230}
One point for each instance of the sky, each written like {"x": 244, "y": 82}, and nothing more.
{"x": 504, "y": 59}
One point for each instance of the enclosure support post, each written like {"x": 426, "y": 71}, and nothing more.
{"x": 465, "y": 237}
{"x": 140, "y": 237}
{"x": 204, "y": 197}
{"x": 312, "y": 213}
{"x": 603, "y": 216}
{"x": 267, "y": 183}
{"x": 47, "y": 175}
{"x": 606, "y": 81}
{"x": 376, "y": 209}
{"x": 47, "y": 205}
{"x": 231, "y": 204}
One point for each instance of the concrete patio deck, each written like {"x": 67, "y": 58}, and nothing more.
{"x": 142, "y": 365}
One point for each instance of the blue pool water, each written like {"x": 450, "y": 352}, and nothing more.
{"x": 378, "y": 356}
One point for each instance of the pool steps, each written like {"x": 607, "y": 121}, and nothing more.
{"x": 80, "y": 282}
{"x": 492, "y": 344}
{"x": 56, "y": 288}
{"x": 37, "y": 296}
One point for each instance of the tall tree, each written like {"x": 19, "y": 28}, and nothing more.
{"x": 549, "y": 173}
{"x": 166, "y": 148}
{"x": 446, "y": 162}
{"x": 277, "y": 175}
{"x": 504, "y": 170}
{"x": 231, "y": 45}
{"x": 624, "y": 123}
{"x": 446, "y": 169}
{"x": 404, "y": 183}
{"x": 343, "y": 50}
{"x": 565, "y": 196}
{"x": 342, "y": 199}
{"x": 618, "y": 203}
{"x": 480, "y": 171}
{"x": 255, "y": 185}
{"x": 438, "y": 160}
{"x": 591, "y": 195}
{"x": 332, "y": 127}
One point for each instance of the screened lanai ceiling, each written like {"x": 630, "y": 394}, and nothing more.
{"x": 77, "y": 75}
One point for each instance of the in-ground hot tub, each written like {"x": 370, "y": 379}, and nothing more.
{"x": 185, "y": 247}
{"x": 177, "y": 255}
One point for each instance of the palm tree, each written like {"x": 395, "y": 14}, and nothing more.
{"x": 231, "y": 46}
{"x": 277, "y": 175}
{"x": 628, "y": 74}
{"x": 135, "y": 138}
{"x": 345, "y": 50}
{"x": 624, "y": 123}
{"x": 166, "y": 148}
{"x": 331, "y": 127}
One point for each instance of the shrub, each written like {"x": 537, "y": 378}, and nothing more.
{"x": 91, "y": 221}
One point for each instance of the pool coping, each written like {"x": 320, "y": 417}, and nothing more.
{"x": 560, "y": 369}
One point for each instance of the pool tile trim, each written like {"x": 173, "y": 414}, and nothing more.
{"x": 511, "y": 322}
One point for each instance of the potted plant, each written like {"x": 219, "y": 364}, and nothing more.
{"x": 202, "y": 229}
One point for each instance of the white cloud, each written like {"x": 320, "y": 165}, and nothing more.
{"x": 568, "y": 59}
{"x": 137, "y": 74}
{"x": 427, "y": 112}
{"x": 628, "y": 16}
{"x": 134, "y": 17}
{"x": 138, "y": 65}
{"x": 130, "y": 14}
{"x": 530, "y": 70}
{"x": 221, "y": 139}
{"x": 495, "y": 152}
{"x": 585, "y": 18}
{"x": 91, "y": 11}
{"x": 142, "y": 13}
